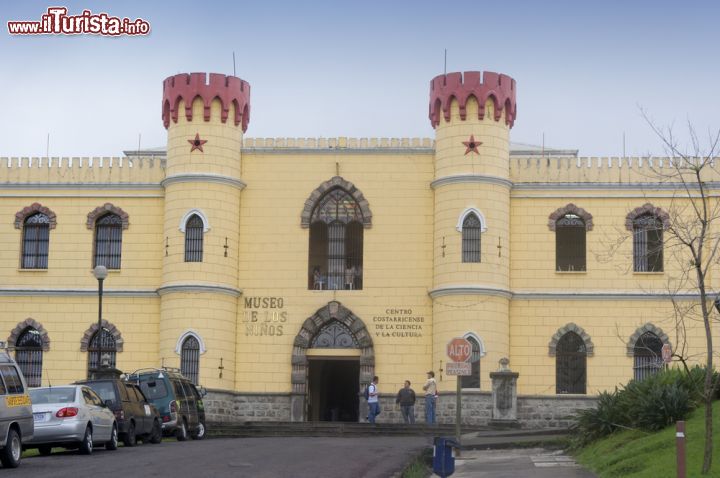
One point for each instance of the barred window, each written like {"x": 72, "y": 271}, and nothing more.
{"x": 190, "y": 359}
{"x": 36, "y": 241}
{"x": 29, "y": 355}
{"x": 570, "y": 364}
{"x": 647, "y": 243}
{"x": 336, "y": 243}
{"x": 194, "y": 239}
{"x": 647, "y": 356}
{"x": 108, "y": 349}
{"x": 473, "y": 380}
{"x": 108, "y": 241}
{"x": 471, "y": 238}
{"x": 570, "y": 243}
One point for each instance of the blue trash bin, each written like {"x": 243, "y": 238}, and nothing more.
{"x": 443, "y": 458}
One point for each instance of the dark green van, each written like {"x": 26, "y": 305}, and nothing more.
{"x": 178, "y": 400}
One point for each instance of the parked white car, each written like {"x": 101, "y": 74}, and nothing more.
{"x": 71, "y": 416}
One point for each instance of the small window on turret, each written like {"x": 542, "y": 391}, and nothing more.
{"x": 471, "y": 231}
{"x": 194, "y": 239}
{"x": 570, "y": 243}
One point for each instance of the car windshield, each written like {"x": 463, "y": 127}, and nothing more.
{"x": 52, "y": 395}
{"x": 106, "y": 390}
{"x": 153, "y": 388}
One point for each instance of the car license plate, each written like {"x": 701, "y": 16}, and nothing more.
{"x": 40, "y": 417}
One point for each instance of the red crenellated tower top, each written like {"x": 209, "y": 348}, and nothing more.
{"x": 228, "y": 89}
{"x": 481, "y": 85}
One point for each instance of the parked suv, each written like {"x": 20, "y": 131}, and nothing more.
{"x": 16, "y": 415}
{"x": 136, "y": 416}
{"x": 178, "y": 399}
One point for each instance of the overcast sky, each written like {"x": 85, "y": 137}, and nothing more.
{"x": 363, "y": 69}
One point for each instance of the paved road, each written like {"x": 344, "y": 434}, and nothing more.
{"x": 518, "y": 463}
{"x": 237, "y": 457}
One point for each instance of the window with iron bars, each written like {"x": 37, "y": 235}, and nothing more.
{"x": 194, "y": 239}
{"x": 471, "y": 231}
{"x": 647, "y": 244}
{"x": 108, "y": 348}
{"x": 336, "y": 243}
{"x": 647, "y": 356}
{"x": 473, "y": 380}
{"x": 36, "y": 241}
{"x": 108, "y": 241}
{"x": 570, "y": 365}
{"x": 190, "y": 359}
{"x": 570, "y": 243}
{"x": 29, "y": 356}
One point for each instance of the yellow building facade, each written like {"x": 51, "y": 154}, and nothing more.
{"x": 283, "y": 273}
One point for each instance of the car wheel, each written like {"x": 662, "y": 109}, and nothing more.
{"x": 156, "y": 435}
{"x": 112, "y": 444}
{"x": 199, "y": 433}
{"x": 181, "y": 432}
{"x": 130, "y": 438}
{"x": 10, "y": 455}
{"x": 86, "y": 446}
{"x": 45, "y": 450}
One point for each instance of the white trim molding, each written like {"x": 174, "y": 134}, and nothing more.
{"x": 464, "y": 214}
{"x": 186, "y": 334}
{"x": 201, "y": 215}
{"x": 480, "y": 342}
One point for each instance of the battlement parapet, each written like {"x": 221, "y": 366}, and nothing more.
{"x": 230, "y": 90}
{"x": 480, "y": 85}
{"x": 338, "y": 143}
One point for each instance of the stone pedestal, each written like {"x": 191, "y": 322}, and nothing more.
{"x": 504, "y": 395}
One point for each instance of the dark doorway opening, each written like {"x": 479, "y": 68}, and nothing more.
{"x": 333, "y": 391}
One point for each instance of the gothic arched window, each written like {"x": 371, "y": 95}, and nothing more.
{"x": 102, "y": 352}
{"x": 36, "y": 241}
{"x": 194, "y": 239}
{"x": 29, "y": 355}
{"x": 473, "y": 380}
{"x": 108, "y": 241}
{"x": 190, "y": 359}
{"x": 336, "y": 242}
{"x": 570, "y": 243}
{"x": 647, "y": 243}
{"x": 647, "y": 356}
{"x": 570, "y": 364}
{"x": 471, "y": 229}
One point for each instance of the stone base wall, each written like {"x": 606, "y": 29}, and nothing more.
{"x": 534, "y": 411}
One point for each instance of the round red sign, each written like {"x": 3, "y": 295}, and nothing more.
{"x": 459, "y": 350}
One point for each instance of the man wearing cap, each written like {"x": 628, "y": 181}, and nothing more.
{"x": 430, "y": 388}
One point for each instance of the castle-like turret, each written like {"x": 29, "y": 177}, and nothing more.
{"x": 472, "y": 114}
{"x": 205, "y": 117}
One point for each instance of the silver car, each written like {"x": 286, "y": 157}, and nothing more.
{"x": 71, "y": 416}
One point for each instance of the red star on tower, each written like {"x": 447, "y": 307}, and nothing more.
{"x": 197, "y": 143}
{"x": 472, "y": 145}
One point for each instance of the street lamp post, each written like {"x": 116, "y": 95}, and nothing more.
{"x": 100, "y": 273}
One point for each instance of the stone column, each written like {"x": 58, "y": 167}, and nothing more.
{"x": 504, "y": 395}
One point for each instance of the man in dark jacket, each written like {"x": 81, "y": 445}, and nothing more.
{"x": 406, "y": 399}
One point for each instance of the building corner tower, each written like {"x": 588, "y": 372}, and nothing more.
{"x": 472, "y": 114}
{"x": 205, "y": 117}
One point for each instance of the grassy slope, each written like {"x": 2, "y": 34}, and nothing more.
{"x": 634, "y": 454}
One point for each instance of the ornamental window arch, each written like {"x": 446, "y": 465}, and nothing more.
{"x": 570, "y": 224}
{"x": 647, "y": 224}
{"x": 35, "y": 221}
{"x": 471, "y": 224}
{"x": 571, "y": 346}
{"x": 478, "y": 352}
{"x": 645, "y": 347}
{"x": 108, "y": 222}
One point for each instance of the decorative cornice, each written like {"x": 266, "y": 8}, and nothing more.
{"x": 481, "y": 85}
{"x": 203, "y": 178}
{"x": 467, "y": 289}
{"x": 32, "y": 209}
{"x": 230, "y": 90}
{"x": 471, "y": 178}
{"x": 571, "y": 327}
{"x": 107, "y": 208}
{"x": 25, "y": 292}
{"x": 199, "y": 288}
{"x": 649, "y": 187}
{"x": 320, "y": 191}
{"x": 647, "y": 208}
{"x": 570, "y": 209}
{"x": 84, "y": 186}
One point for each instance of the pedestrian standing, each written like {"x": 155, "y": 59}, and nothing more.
{"x": 373, "y": 402}
{"x": 430, "y": 388}
{"x": 406, "y": 399}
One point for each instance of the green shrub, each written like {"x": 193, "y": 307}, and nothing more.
{"x": 594, "y": 423}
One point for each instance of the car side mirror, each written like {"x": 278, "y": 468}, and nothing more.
{"x": 202, "y": 391}
{"x": 107, "y": 403}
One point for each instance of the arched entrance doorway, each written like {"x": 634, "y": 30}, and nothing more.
{"x": 333, "y": 360}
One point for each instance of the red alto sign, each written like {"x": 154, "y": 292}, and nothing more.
{"x": 459, "y": 350}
